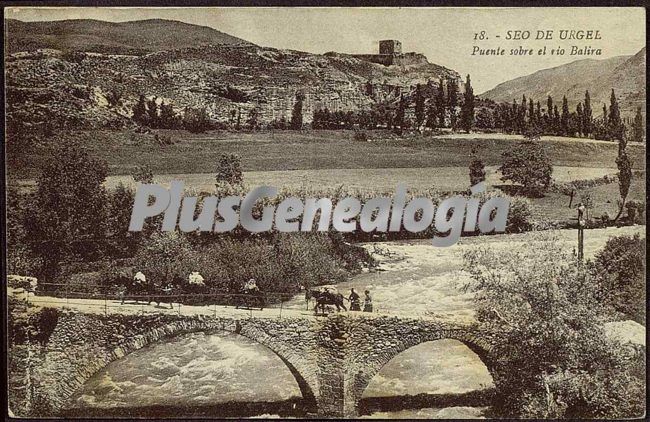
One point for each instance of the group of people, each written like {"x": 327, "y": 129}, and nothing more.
{"x": 250, "y": 287}
{"x": 355, "y": 301}
{"x": 195, "y": 280}
{"x": 353, "y": 298}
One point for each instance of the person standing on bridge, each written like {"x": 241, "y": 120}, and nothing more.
{"x": 355, "y": 300}
{"x": 367, "y": 302}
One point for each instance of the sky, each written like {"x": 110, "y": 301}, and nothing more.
{"x": 444, "y": 35}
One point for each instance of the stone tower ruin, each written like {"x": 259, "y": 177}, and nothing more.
{"x": 390, "y": 53}
{"x": 392, "y": 47}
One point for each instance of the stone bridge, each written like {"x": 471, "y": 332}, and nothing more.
{"x": 332, "y": 358}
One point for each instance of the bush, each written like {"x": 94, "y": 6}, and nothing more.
{"x": 635, "y": 211}
{"x": 143, "y": 174}
{"x": 476, "y": 172}
{"x": 552, "y": 357}
{"x": 165, "y": 258}
{"x": 196, "y": 120}
{"x": 280, "y": 263}
{"x": 229, "y": 169}
{"x": 73, "y": 56}
{"x": 619, "y": 269}
{"x": 576, "y": 185}
{"x": 280, "y": 124}
{"x": 519, "y": 216}
{"x": 529, "y": 165}
{"x": 82, "y": 284}
{"x": 114, "y": 96}
{"x": 360, "y": 136}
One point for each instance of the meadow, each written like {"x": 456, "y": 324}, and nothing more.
{"x": 327, "y": 159}
{"x": 187, "y": 153}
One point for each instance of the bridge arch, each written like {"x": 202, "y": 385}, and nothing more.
{"x": 255, "y": 330}
{"x": 411, "y": 334}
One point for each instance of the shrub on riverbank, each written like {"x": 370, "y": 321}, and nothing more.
{"x": 619, "y": 269}
{"x": 552, "y": 356}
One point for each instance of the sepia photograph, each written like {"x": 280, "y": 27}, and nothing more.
{"x": 325, "y": 212}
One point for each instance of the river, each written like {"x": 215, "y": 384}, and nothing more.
{"x": 208, "y": 375}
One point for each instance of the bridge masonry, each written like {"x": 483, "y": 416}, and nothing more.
{"x": 332, "y": 358}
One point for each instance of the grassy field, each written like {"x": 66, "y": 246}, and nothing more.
{"x": 315, "y": 150}
{"x": 295, "y": 159}
{"x": 365, "y": 179}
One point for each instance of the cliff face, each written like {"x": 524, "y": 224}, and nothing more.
{"x": 81, "y": 89}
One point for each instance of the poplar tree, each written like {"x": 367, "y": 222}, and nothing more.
{"x": 587, "y": 115}
{"x": 580, "y": 120}
{"x": 452, "y": 101}
{"x": 614, "y": 124}
{"x": 513, "y": 117}
{"x": 476, "y": 170}
{"x": 637, "y": 126}
{"x": 140, "y": 110}
{"x": 419, "y": 106}
{"x": 432, "y": 115}
{"x": 524, "y": 104}
{"x": 152, "y": 112}
{"x": 624, "y": 173}
{"x": 549, "y": 114}
{"x": 467, "y": 110}
{"x": 296, "y": 115}
{"x": 441, "y": 104}
{"x": 401, "y": 111}
{"x": 564, "y": 122}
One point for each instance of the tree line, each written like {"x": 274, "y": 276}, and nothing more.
{"x": 529, "y": 117}
{"x": 430, "y": 106}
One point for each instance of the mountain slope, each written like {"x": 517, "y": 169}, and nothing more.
{"x": 624, "y": 74}
{"x": 135, "y": 37}
{"x": 83, "y": 89}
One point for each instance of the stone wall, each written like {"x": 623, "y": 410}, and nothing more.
{"x": 332, "y": 359}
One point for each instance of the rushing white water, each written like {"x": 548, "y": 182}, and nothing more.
{"x": 196, "y": 369}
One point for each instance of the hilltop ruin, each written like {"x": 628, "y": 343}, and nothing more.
{"x": 390, "y": 53}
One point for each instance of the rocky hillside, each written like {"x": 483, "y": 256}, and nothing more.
{"x": 136, "y": 37}
{"x": 95, "y": 89}
{"x": 625, "y": 74}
